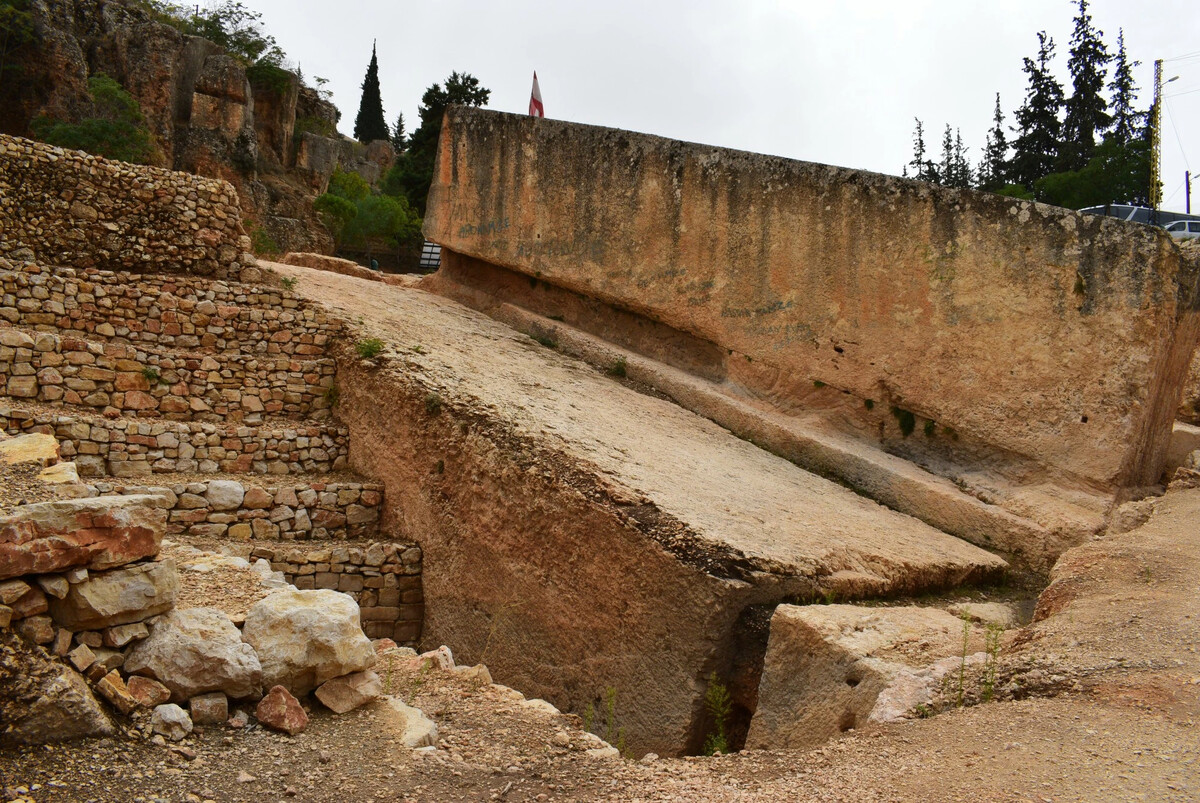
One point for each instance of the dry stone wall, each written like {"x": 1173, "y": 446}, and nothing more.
{"x": 383, "y": 578}
{"x": 71, "y": 371}
{"x": 72, "y": 208}
{"x": 241, "y": 511}
{"x": 177, "y": 312}
{"x": 127, "y": 448}
{"x": 1058, "y": 338}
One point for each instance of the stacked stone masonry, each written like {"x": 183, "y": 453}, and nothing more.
{"x": 71, "y": 208}
{"x": 55, "y": 370}
{"x": 383, "y": 578}
{"x": 127, "y": 448}
{"x": 241, "y": 511}
{"x": 176, "y": 312}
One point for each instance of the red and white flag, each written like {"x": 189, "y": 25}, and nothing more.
{"x": 535, "y": 100}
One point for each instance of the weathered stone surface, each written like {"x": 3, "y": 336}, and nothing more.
{"x": 905, "y": 317}
{"x": 827, "y": 667}
{"x": 411, "y": 726}
{"x": 54, "y": 585}
{"x": 36, "y": 629}
{"x": 171, "y": 721}
{"x": 225, "y": 494}
{"x": 197, "y": 650}
{"x": 117, "y": 597}
{"x": 209, "y": 709}
{"x": 281, "y": 711}
{"x": 120, "y": 635}
{"x": 96, "y": 533}
{"x": 349, "y": 691}
{"x": 81, "y": 657}
{"x": 148, "y": 692}
{"x": 31, "y": 448}
{"x": 43, "y": 700}
{"x": 113, "y": 689}
{"x": 333, "y": 264}
{"x": 305, "y": 638}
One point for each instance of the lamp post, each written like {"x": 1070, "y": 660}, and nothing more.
{"x": 1156, "y": 136}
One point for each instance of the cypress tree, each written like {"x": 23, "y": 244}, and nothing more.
{"x": 1087, "y": 110}
{"x": 923, "y": 169}
{"x": 1035, "y": 150}
{"x": 992, "y": 170}
{"x": 961, "y": 173}
{"x": 1126, "y": 123}
{"x": 370, "y": 125}
{"x": 398, "y": 133}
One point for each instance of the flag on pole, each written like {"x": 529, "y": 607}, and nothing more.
{"x": 535, "y": 100}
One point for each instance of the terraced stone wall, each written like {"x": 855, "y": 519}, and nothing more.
{"x": 177, "y": 312}
{"x": 127, "y": 448}
{"x": 243, "y": 511}
{"x": 55, "y": 370}
{"x": 72, "y": 208}
{"x": 383, "y": 578}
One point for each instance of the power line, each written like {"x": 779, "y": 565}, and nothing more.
{"x": 1178, "y": 139}
{"x": 1185, "y": 56}
{"x": 1171, "y": 197}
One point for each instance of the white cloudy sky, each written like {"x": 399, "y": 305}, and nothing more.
{"x": 822, "y": 81}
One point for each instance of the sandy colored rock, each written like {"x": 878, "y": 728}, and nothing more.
{"x": 281, "y": 711}
{"x": 120, "y": 596}
{"x": 197, "y": 650}
{"x": 112, "y": 688}
{"x": 349, "y": 691}
{"x": 827, "y": 666}
{"x": 59, "y": 474}
{"x": 333, "y": 264}
{"x": 209, "y": 709}
{"x": 96, "y": 533}
{"x": 410, "y": 724}
{"x": 171, "y": 721}
{"x": 147, "y": 692}
{"x": 47, "y": 702}
{"x": 304, "y": 638}
{"x": 31, "y": 448}
{"x": 224, "y": 494}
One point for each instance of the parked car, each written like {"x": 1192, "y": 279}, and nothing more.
{"x": 1184, "y": 229}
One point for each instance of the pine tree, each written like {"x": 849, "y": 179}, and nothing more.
{"x": 923, "y": 169}
{"x": 992, "y": 169}
{"x": 961, "y": 173}
{"x": 398, "y": 133}
{"x": 1127, "y": 123}
{"x": 1086, "y": 109}
{"x": 1035, "y": 150}
{"x": 370, "y": 125}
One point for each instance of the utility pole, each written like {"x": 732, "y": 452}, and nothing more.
{"x": 1156, "y": 137}
{"x": 1187, "y": 189}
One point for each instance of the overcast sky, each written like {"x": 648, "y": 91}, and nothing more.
{"x": 829, "y": 82}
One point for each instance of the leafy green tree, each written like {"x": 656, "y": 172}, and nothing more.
{"x": 954, "y": 170}
{"x": 369, "y": 125}
{"x": 1116, "y": 174}
{"x": 116, "y": 128}
{"x": 1127, "y": 123}
{"x": 349, "y": 185}
{"x": 336, "y": 213}
{"x": 992, "y": 165}
{"x": 414, "y": 168}
{"x": 357, "y": 217}
{"x": 237, "y": 29}
{"x": 1086, "y": 109}
{"x": 16, "y": 31}
{"x": 1035, "y": 150}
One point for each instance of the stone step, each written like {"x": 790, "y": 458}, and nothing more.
{"x": 66, "y": 370}
{"x": 167, "y": 312}
{"x": 129, "y": 448}
{"x": 248, "y": 508}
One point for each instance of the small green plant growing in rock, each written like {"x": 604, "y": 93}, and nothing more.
{"x": 923, "y": 711}
{"x": 617, "y": 368}
{"x": 992, "y": 661}
{"x": 906, "y": 420}
{"x": 288, "y": 282}
{"x": 962, "y": 668}
{"x": 869, "y": 404}
{"x": 433, "y": 403}
{"x": 331, "y": 395}
{"x": 545, "y": 340}
{"x": 589, "y": 716}
{"x": 151, "y": 375}
{"x": 610, "y": 714}
{"x": 418, "y": 349}
{"x": 818, "y": 384}
{"x": 719, "y": 705}
{"x": 369, "y": 348}
{"x": 930, "y": 428}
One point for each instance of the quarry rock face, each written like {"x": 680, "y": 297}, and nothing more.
{"x": 121, "y": 596}
{"x": 197, "y": 650}
{"x": 305, "y": 638}
{"x": 831, "y": 668}
{"x": 875, "y": 297}
{"x": 97, "y": 533}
